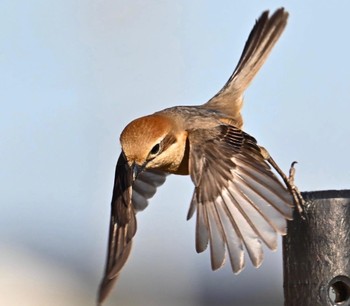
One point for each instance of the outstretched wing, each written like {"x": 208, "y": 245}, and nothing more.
{"x": 239, "y": 201}
{"x": 128, "y": 198}
{"x": 261, "y": 40}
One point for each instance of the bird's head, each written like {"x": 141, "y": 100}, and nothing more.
{"x": 153, "y": 142}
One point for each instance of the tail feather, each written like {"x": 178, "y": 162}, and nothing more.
{"x": 261, "y": 40}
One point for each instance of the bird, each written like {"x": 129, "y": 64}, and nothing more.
{"x": 239, "y": 201}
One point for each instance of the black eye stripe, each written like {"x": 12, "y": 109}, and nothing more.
{"x": 168, "y": 141}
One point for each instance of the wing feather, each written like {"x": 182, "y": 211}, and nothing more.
{"x": 145, "y": 187}
{"x": 250, "y": 169}
{"x": 262, "y": 206}
{"x": 238, "y": 199}
{"x": 202, "y": 228}
{"x": 128, "y": 197}
{"x": 217, "y": 236}
{"x": 233, "y": 235}
{"x": 247, "y": 228}
{"x": 254, "y": 188}
{"x": 258, "y": 222}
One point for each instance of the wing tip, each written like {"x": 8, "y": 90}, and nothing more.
{"x": 238, "y": 270}
{"x": 105, "y": 289}
{"x": 257, "y": 260}
{"x": 217, "y": 263}
{"x": 201, "y": 246}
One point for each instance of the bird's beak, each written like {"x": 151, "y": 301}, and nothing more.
{"x": 136, "y": 170}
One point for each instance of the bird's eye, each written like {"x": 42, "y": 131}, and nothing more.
{"x": 155, "y": 149}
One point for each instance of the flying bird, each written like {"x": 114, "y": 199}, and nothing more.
{"x": 240, "y": 204}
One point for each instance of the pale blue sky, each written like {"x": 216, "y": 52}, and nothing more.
{"x": 74, "y": 73}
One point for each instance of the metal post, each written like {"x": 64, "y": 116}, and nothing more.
{"x": 316, "y": 252}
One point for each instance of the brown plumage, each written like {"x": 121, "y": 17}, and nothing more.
{"x": 238, "y": 200}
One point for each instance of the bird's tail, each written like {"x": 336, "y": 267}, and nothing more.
{"x": 261, "y": 40}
